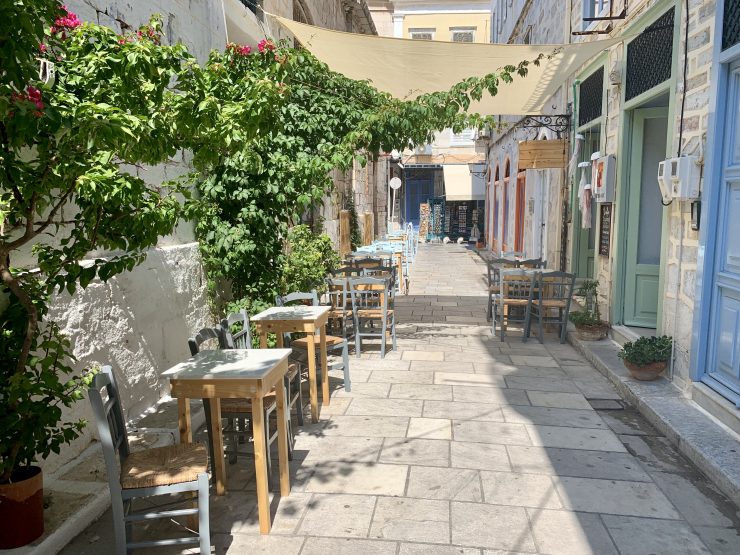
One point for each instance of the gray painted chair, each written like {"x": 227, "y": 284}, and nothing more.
{"x": 494, "y": 281}
{"x": 235, "y": 410}
{"x": 372, "y": 309}
{"x": 555, "y": 290}
{"x": 514, "y": 302}
{"x": 166, "y": 470}
{"x": 334, "y": 344}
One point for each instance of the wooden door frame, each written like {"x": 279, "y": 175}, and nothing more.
{"x": 521, "y": 188}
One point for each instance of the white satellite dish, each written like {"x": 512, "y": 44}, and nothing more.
{"x": 395, "y": 183}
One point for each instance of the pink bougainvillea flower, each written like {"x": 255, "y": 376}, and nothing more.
{"x": 66, "y": 22}
{"x": 264, "y": 45}
{"x": 42, "y": 47}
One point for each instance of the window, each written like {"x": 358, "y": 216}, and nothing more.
{"x": 593, "y": 8}
{"x": 731, "y": 26}
{"x": 649, "y": 56}
{"x": 463, "y": 34}
{"x": 590, "y": 95}
{"x": 422, "y": 34}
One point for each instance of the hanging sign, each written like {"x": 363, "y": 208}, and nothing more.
{"x": 605, "y": 229}
{"x": 535, "y": 155}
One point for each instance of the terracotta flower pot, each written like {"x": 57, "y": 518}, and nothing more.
{"x": 646, "y": 373}
{"x": 592, "y": 333}
{"x": 22, "y": 508}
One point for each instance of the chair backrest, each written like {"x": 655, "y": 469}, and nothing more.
{"x": 242, "y": 337}
{"x": 516, "y": 285}
{"x": 368, "y": 262}
{"x": 346, "y": 271}
{"x": 204, "y": 335}
{"x": 110, "y": 423}
{"x": 370, "y": 292}
{"x": 337, "y": 291}
{"x": 297, "y": 297}
{"x": 556, "y": 286}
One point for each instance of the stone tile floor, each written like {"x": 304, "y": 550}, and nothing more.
{"x": 458, "y": 443}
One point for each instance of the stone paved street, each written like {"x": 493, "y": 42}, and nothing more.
{"x": 458, "y": 443}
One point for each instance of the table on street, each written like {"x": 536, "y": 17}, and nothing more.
{"x": 236, "y": 374}
{"x": 300, "y": 318}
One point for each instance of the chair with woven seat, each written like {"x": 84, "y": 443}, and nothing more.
{"x": 372, "y": 309}
{"x": 238, "y": 335}
{"x": 334, "y": 343}
{"x": 494, "y": 280}
{"x": 532, "y": 263}
{"x": 513, "y": 303}
{"x": 555, "y": 290}
{"x": 172, "y": 469}
{"x": 235, "y": 410}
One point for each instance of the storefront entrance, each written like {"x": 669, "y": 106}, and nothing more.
{"x": 644, "y": 217}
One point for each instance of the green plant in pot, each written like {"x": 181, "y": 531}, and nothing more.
{"x": 646, "y": 357}
{"x": 588, "y": 322}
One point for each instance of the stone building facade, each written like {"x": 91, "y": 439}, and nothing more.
{"x": 646, "y": 99}
{"x": 139, "y": 321}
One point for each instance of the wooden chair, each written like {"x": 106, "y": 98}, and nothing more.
{"x": 372, "y": 303}
{"x": 347, "y": 271}
{"x": 333, "y": 343}
{"x": 339, "y": 298}
{"x": 172, "y": 469}
{"x": 532, "y": 263}
{"x": 514, "y": 301}
{"x": 236, "y": 411}
{"x": 368, "y": 262}
{"x": 494, "y": 280}
{"x": 555, "y": 290}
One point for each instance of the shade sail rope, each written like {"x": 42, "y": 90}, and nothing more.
{"x": 407, "y": 68}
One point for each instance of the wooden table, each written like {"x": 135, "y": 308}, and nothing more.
{"x": 300, "y": 318}
{"x": 236, "y": 374}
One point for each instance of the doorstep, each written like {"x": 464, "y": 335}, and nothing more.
{"x": 713, "y": 447}
{"x": 76, "y": 494}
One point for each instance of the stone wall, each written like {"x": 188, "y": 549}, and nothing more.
{"x": 679, "y": 242}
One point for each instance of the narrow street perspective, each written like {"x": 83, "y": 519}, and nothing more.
{"x": 460, "y": 443}
{"x": 370, "y": 277}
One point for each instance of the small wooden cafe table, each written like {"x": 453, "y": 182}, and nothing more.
{"x": 236, "y": 374}
{"x": 300, "y": 318}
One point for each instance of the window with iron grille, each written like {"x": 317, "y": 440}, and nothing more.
{"x": 731, "y": 26}
{"x": 649, "y": 56}
{"x": 590, "y": 96}
{"x": 463, "y": 34}
{"x": 422, "y": 34}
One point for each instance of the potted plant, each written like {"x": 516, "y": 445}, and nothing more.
{"x": 588, "y": 322}
{"x": 647, "y": 357}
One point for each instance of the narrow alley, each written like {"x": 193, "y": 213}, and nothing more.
{"x": 458, "y": 443}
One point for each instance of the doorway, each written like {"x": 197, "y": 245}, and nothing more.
{"x": 585, "y": 239}
{"x": 723, "y": 361}
{"x": 643, "y": 217}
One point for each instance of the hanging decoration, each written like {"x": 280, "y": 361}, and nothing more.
{"x": 584, "y": 196}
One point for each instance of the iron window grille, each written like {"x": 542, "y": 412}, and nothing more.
{"x": 731, "y": 25}
{"x": 422, "y": 34}
{"x": 649, "y": 56}
{"x": 590, "y": 94}
{"x": 463, "y": 34}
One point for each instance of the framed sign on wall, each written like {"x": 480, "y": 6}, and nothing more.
{"x": 605, "y": 229}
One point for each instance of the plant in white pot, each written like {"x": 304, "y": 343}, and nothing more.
{"x": 588, "y": 322}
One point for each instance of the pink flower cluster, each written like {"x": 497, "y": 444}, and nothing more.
{"x": 144, "y": 32}
{"x": 66, "y": 22}
{"x": 240, "y": 49}
{"x": 32, "y": 95}
{"x": 265, "y": 45}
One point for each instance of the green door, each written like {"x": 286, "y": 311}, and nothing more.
{"x": 586, "y": 239}
{"x": 644, "y": 217}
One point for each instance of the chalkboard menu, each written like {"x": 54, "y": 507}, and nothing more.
{"x": 605, "y": 228}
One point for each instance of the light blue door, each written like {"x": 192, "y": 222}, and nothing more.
{"x": 723, "y": 369}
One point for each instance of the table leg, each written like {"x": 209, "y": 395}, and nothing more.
{"x": 183, "y": 420}
{"x": 283, "y": 413}
{"x": 263, "y": 339}
{"x": 325, "y": 399}
{"x": 260, "y": 463}
{"x": 217, "y": 441}
{"x": 312, "y": 387}
{"x": 279, "y": 340}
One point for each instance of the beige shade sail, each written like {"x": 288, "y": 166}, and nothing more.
{"x": 460, "y": 185}
{"x": 408, "y": 68}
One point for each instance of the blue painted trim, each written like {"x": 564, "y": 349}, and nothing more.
{"x": 711, "y": 189}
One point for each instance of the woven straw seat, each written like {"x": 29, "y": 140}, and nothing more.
{"x": 231, "y": 406}
{"x": 516, "y": 302}
{"x": 554, "y": 303}
{"x": 302, "y": 342}
{"x": 164, "y": 466}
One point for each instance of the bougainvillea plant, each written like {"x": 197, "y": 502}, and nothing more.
{"x": 71, "y": 142}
